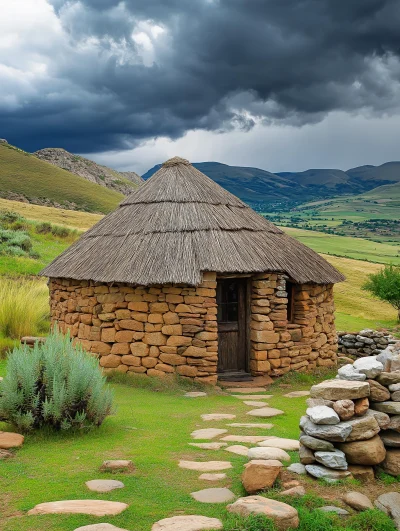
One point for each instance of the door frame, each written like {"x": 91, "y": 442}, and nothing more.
{"x": 247, "y": 281}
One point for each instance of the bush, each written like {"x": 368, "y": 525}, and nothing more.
{"x": 12, "y": 242}
{"x": 24, "y": 307}
{"x": 43, "y": 228}
{"x": 54, "y": 384}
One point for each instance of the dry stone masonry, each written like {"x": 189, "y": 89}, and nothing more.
{"x": 368, "y": 342}
{"x": 172, "y": 329}
{"x": 352, "y": 423}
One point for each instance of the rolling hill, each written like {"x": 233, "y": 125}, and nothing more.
{"x": 123, "y": 182}
{"x": 24, "y": 177}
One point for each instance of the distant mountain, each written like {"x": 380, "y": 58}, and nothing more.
{"x": 26, "y": 178}
{"x": 256, "y": 186}
{"x": 123, "y": 182}
{"x": 388, "y": 172}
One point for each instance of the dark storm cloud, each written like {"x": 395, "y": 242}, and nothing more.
{"x": 219, "y": 64}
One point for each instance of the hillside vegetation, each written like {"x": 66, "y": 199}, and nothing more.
{"x": 125, "y": 183}
{"x": 24, "y": 177}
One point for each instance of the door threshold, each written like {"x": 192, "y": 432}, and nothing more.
{"x": 235, "y": 376}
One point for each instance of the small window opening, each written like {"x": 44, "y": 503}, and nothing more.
{"x": 290, "y": 289}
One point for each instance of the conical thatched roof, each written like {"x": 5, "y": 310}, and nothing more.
{"x": 178, "y": 224}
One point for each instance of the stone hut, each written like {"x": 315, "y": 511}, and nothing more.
{"x": 185, "y": 278}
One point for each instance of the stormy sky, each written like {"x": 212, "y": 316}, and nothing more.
{"x": 282, "y": 85}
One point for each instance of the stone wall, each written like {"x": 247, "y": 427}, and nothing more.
{"x": 367, "y": 342}
{"x": 160, "y": 330}
{"x": 155, "y": 330}
{"x": 279, "y": 346}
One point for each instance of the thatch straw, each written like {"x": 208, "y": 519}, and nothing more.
{"x": 178, "y": 224}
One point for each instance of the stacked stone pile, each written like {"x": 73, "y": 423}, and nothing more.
{"x": 353, "y": 422}
{"x": 365, "y": 343}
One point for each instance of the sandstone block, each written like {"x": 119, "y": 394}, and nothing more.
{"x": 340, "y": 390}
{"x": 99, "y": 347}
{"x": 391, "y": 464}
{"x": 260, "y": 474}
{"x": 108, "y": 335}
{"x": 164, "y": 368}
{"x": 154, "y": 338}
{"x": 124, "y": 336}
{"x": 120, "y": 348}
{"x": 283, "y": 515}
{"x": 139, "y": 349}
{"x": 122, "y": 314}
{"x": 178, "y": 341}
{"x": 195, "y": 352}
{"x": 186, "y": 370}
{"x": 172, "y": 359}
{"x": 130, "y": 324}
{"x": 370, "y": 452}
{"x": 156, "y": 373}
{"x": 111, "y": 361}
{"x": 264, "y": 336}
{"x": 131, "y": 360}
{"x": 139, "y": 306}
{"x": 172, "y": 330}
{"x": 149, "y": 362}
{"x": 159, "y": 307}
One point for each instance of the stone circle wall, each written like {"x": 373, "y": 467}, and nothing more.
{"x": 279, "y": 346}
{"x": 168, "y": 329}
{"x": 155, "y": 330}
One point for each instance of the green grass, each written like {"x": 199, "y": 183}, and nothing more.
{"x": 23, "y": 173}
{"x": 348, "y": 247}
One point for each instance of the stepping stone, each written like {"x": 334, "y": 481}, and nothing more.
{"x": 207, "y": 433}
{"x": 188, "y": 523}
{"x": 299, "y": 490}
{"x": 252, "y": 397}
{"x": 10, "y": 440}
{"x": 268, "y": 453}
{"x": 209, "y": 446}
{"x": 212, "y": 477}
{"x": 297, "y": 394}
{"x": 358, "y": 501}
{"x": 255, "y": 403}
{"x": 215, "y": 495}
{"x": 333, "y": 509}
{"x": 99, "y": 527}
{"x": 279, "y": 442}
{"x": 90, "y": 507}
{"x": 284, "y": 516}
{"x": 248, "y": 390}
{"x": 251, "y": 439}
{"x": 205, "y": 466}
{"x": 218, "y": 416}
{"x": 251, "y": 425}
{"x": 104, "y": 485}
{"x": 265, "y": 412}
{"x": 117, "y": 464}
{"x": 194, "y": 394}
{"x": 238, "y": 449}
{"x": 297, "y": 468}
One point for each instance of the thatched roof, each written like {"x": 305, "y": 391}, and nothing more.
{"x": 178, "y": 224}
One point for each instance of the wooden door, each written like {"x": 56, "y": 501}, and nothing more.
{"x": 232, "y": 325}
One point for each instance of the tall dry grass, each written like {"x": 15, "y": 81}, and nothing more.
{"x": 24, "y": 307}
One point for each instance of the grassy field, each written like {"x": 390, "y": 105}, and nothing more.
{"x": 23, "y": 173}
{"x": 356, "y": 248}
{"x": 153, "y": 429}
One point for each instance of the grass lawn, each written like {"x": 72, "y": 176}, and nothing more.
{"x": 153, "y": 429}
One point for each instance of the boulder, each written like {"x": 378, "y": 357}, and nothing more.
{"x": 333, "y": 509}
{"x": 344, "y": 408}
{"x": 323, "y": 415}
{"x": 187, "y": 523}
{"x": 297, "y": 468}
{"x": 349, "y": 372}
{"x": 299, "y": 490}
{"x": 362, "y": 428}
{"x": 112, "y": 465}
{"x": 369, "y": 366}
{"x": 390, "y": 438}
{"x": 336, "y": 433}
{"x": 306, "y": 455}
{"x": 394, "y": 423}
{"x": 393, "y": 388}
{"x": 340, "y": 390}
{"x": 319, "y": 471}
{"x": 382, "y": 419}
{"x": 313, "y": 402}
{"x": 268, "y": 453}
{"x": 370, "y": 452}
{"x": 283, "y": 515}
{"x": 260, "y": 474}
{"x": 391, "y": 464}
{"x": 358, "y": 501}
{"x": 365, "y": 474}
{"x": 335, "y": 459}
{"x": 316, "y": 444}
{"x": 389, "y": 378}
{"x": 379, "y": 392}
{"x": 389, "y": 503}
{"x": 395, "y": 396}
{"x": 392, "y": 408}
{"x": 361, "y": 406}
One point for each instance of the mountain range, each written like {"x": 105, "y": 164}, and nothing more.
{"x": 257, "y": 186}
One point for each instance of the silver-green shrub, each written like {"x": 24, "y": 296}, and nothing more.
{"x": 54, "y": 384}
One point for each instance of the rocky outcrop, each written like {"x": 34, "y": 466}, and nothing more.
{"x": 124, "y": 182}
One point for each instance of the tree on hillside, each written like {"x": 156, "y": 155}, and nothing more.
{"x": 385, "y": 285}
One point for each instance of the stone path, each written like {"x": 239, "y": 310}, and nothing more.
{"x": 205, "y": 466}
{"x": 282, "y": 514}
{"x": 265, "y": 412}
{"x": 104, "y": 485}
{"x": 251, "y": 439}
{"x": 90, "y": 507}
{"x": 280, "y": 442}
{"x": 214, "y": 495}
{"x": 117, "y": 464}
{"x": 212, "y": 477}
{"x": 297, "y": 394}
{"x": 209, "y": 446}
{"x": 252, "y": 397}
{"x": 268, "y": 453}
{"x": 187, "y": 523}
{"x": 99, "y": 527}
{"x": 250, "y": 425}
{"x": 247, "y": 390}
{"x": 218, "y": 416}
{"x": 207, "y": 433}
{"x": 255, "y": 403}
{"x": 238, "y": 449}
